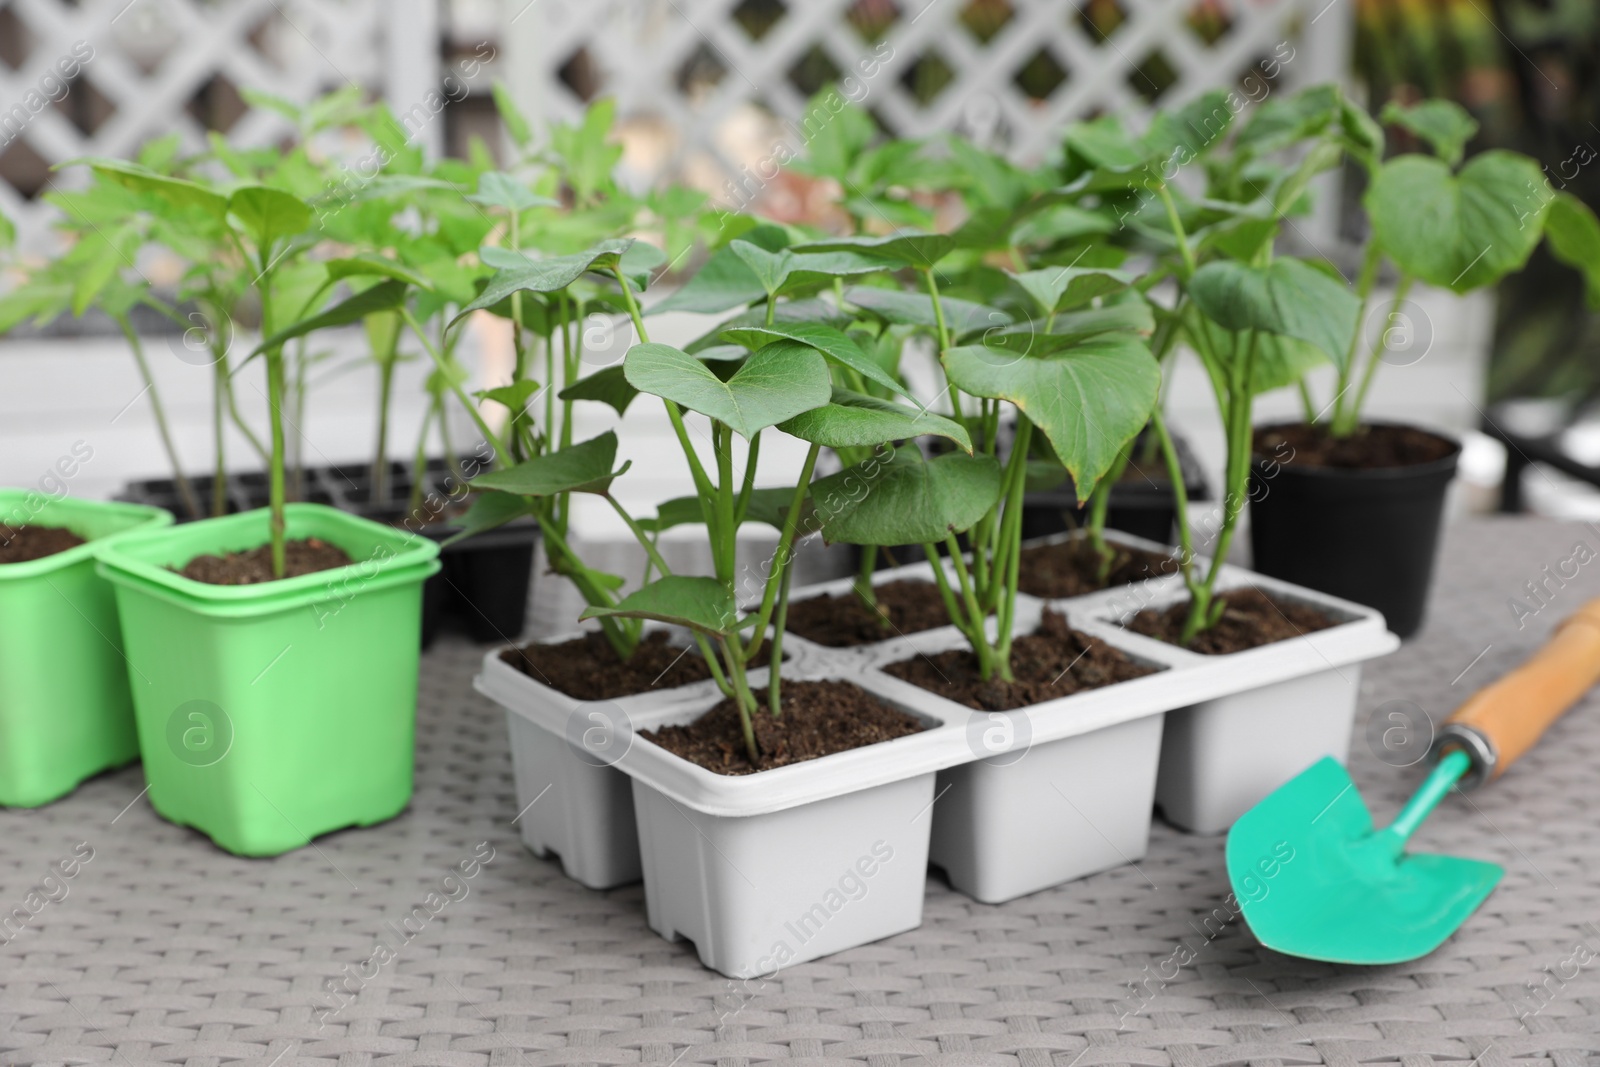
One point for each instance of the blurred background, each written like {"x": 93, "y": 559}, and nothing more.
{"x": 705, "y": 90}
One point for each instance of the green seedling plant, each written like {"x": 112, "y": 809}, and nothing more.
{"x": 1461, "y": 227}
{"x": 768, "y": 375}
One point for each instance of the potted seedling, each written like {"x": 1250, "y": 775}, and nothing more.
{"x": 727, "y": 769}
{"x": 65, "y": 710}
{"x": 272, "y": 648}
{"x": 1081, "y": 377}
{"x": 1352, "y": 506}
{"x": 1257, "y": 321}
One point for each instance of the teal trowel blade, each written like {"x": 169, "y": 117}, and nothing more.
{"x": 1314, "y": 879}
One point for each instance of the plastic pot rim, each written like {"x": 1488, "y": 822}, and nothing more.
{"x": 149, "y": 518}
{"x": 128, "y": 561}
{"x": 1444, "y": 464}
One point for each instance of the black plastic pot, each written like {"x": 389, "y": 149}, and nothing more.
{"x": 1138, "y": 506}
{"x": 483, "y": 582}
{"x": 1367, "y": 535}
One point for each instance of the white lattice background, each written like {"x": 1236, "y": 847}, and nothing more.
{"x": 160, "y": 66}
{"x": 1006, "y": 72}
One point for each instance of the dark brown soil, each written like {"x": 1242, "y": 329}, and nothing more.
{"x": 1071, "y": 568}
{"x": 1053, "y": 661}
{"x": 1251, "y": 619}
{"x": 19, "y": 544}
{"x": 587, "y": 667}
{"x": 905, "y": 606}
{"x": 1369, "y": 448}
{"x": 254, "y": 566}
{"x": 819, "y": 719}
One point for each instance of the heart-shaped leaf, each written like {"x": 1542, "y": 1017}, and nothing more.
{"x": 385, "y": 296}
{"x": 1290, "y": 297}
{"x": 724, "y": 281}
{"x": 498, "y": 189}
{"x": 836, "y": 345}
{"x": 487, "y": 511}
{"x": 1463, "y": 231}
{"x": 514, "y": 396}
{"x": 1060, "y": 288}
{"x": 582, "y": 468}
{"x": 775, "y": 383}
{"x": 1088, "y": 400}
{"x": 372, "y": 265}
{"x": 852, "y": 419}
{"x": 917, "y": 249}
{"x": 768, "y": 506}
{"x": 1574, "y": 236}
{"x": 771, "y": 269}
{"x": 1444, "y": 124}
{"x": 1071, "y": 328}
{"x": 608, "y": 386}
{"x": 546, "y": 275}
{"x": 916, "y": 309}
{"x": 702, "y": 604}
{"x": 269, "y": 215}
{"x": 905, "y": 500}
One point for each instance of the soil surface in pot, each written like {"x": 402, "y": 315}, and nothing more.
{"x": 1369, "y": 448}
{"x": 1072, "y": 568}
{"x": 841, "y": 620}
{"x": 19, "y": 544}
{"x": 819, "y": 719}
{"x": 1053, "y": 661}
{"x": 254, "y": 565}
{"x": 586, "y": 668}
{"x": 1251, "y": 619}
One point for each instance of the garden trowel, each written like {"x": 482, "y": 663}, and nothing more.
{"x": 1315, "y": 879}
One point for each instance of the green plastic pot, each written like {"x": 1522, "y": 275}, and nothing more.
{"x": 271, "y": 714}
{"x": 65, "y": 712}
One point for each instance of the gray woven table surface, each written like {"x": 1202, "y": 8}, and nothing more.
{"x": 168, "y": 950}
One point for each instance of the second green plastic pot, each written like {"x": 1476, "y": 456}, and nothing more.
{"x": 271, "y": 714}
{"x": 65, "y": 712}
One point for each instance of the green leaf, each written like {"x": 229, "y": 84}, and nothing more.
{"x": 609, "y": 386}
{"x": 724, "y": 281}
{"x": 1574, "y": 236}
{"x": 916, "y": 249}
{"x": 499, "y": 189}
{"x": 175, "y": 191}
{"x": 1071, "y": 328}
{"x": 1105, "y": 145}
{"x": 516, "y": 125}
{"x": 1058, "y": 288}
{"x": 1461, "y": 231}
{"x": 373, "y": 265}
{"x": 1290, "y": 298}
{"x": 1088, "y": 400}
{"x": 774, "y": 384}
{"x": 581, "y": 468}
{"x": 854, "y": 419}
{"x": 835, "y": 136}
{"x": 767, "y": 506}
{"x": 1444, "y": 124}
{"x": 1284, "y": 120}
{"x": 834, "y": 344}
{"x": 544, "y": 275}
{"x": 1282, "y": 361}
{"x": 701, "y": 604}
{"x": 905, "y": 500}
{"x": 771, "y": 269}
{"x": 269, "y": 215}
{"x": 513, "y": 397}
{"x": 385, "y": 296}
{"x": 487, "y": 511}
{"x": 916, "y": 309}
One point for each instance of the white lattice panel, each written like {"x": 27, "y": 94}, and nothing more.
{"x": 693, "y": 66}
{"x": 153, "y": 59}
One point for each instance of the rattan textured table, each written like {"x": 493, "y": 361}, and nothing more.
{"x": 166, "y": 950}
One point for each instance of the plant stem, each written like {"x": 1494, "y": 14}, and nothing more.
{"x": 219, "y": 472}
{"x": 774, "y": 703}
{"x": 380, "y": 451}
{"x": 1353, "y": 420}
{"x": 1370, "y": 261}
{"x": 862, "y": 587}
{"x": 791, "y": 523}
{"x": 489, "y": 435}
{"x": 185, "y": 490}
{"x": 1178, "y": 232}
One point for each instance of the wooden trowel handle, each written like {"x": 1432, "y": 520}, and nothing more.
{"x": 1503, "y": 720}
